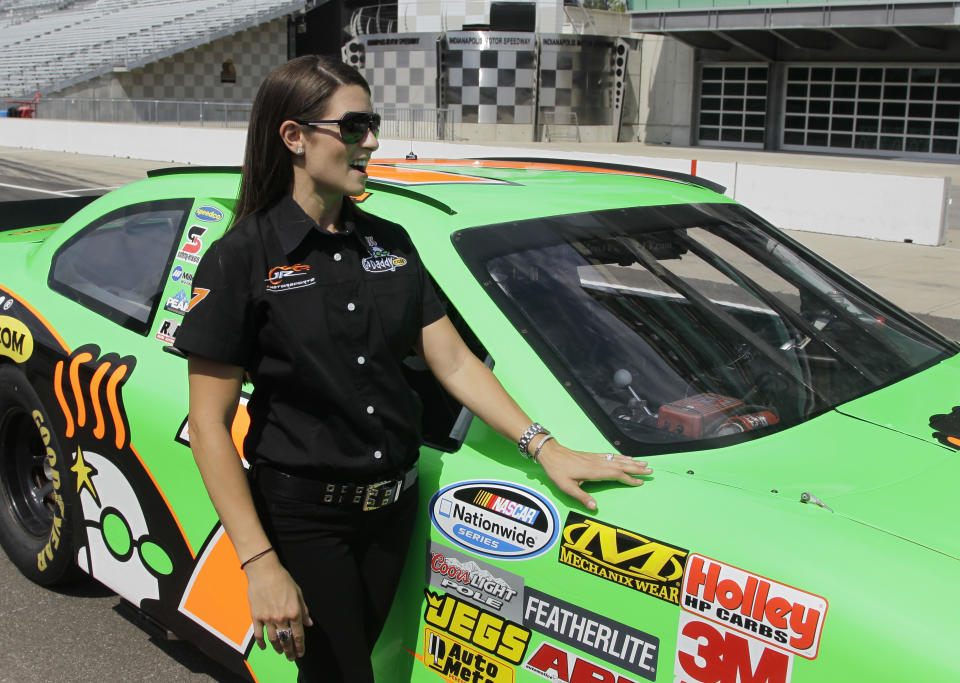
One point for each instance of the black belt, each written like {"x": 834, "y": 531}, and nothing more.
{"x": 364, "y": 496}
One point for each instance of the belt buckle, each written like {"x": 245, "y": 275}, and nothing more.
{"x": 382, "y": 493}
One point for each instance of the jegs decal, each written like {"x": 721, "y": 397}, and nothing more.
{"x": 623, "y": 557}
{"x": 476, "y": 626}
{"x": 947, "y": 428}
{"x": 707, "y": 653}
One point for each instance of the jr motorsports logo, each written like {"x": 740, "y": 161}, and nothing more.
{"x": 495, "y": 519}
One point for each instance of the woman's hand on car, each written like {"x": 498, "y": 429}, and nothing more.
{"x": 568, "y": 469}
{"x": 276, "y": 603}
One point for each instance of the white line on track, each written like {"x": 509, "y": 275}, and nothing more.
{"x": 91, "y": 189}
{"x": 37, "y": 189}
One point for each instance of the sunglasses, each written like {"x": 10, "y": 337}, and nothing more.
{"x": 353, "y": 125}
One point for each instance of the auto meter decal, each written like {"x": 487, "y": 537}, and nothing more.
{"x": 495, "y": 519}
{"x": 772, "y": 612}
{"x": 707, "y": 653}
{"x": 948, "y": 428}
{"x": 623, "y": 557}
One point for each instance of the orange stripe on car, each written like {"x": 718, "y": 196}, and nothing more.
{"x": 403, "y": 175}
{"x": 43, "y": 321}
{"x": 75, "y": 385}
{"x": 100, "y": 428}
{"x": 112, "y": 383}
{"x": 61, "y": 399}
{"x": 491, "y": 163}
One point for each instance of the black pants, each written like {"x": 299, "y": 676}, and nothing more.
{"x": 347, "y": 562}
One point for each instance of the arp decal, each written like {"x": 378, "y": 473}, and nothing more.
{"x": 772, "y": 612}
{"x": 947, "y": 427}
{"x": 707, "y": 653}
{"x": 618, "y": 644}
{"x": 208, "y": 213}
{"x": 167, "y": 332}
{"x": 624, "y": 557}
{"x": 476, "y": 626}
{"x": 457, "y": 661}
{"x": 555, "y": 664}
{"x": 284, "y": 278}
{"x": 16, "y": 341}
{"x": 495, "y": 519}
{"x": 190, "y": 250}
{"x": 179, "y": 303}
{"x": 482, "y": 584}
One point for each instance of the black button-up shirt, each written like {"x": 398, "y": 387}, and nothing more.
{"x": 322, "y": 322}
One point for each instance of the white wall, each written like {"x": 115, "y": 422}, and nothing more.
{"x": 878, "y": 206}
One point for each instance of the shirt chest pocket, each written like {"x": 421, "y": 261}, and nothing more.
{"x": 397, "y": 299}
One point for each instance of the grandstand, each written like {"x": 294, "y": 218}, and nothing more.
{"x": 48, "y": 46}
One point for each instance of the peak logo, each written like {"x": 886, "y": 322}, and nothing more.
{"x": 625, "y": 557}
{"x": 773, "y": 612}
{"x": 208, "y": 213}
{"x": 188, "y": 252}
{"x": 495, "y": 519}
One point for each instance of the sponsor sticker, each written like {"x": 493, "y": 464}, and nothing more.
{"x": 495, "y": 519}
{"x": 707, "y": 653}
{"x": 190, "y": 250}
{"x": 621, "y": 645}
{"x": 168, "y": 331}
{"x": 179, "y": 303}
{"x": 16, "y": 342}
{"x": 625, "y": 557}
{"x": 7, "y": 304}
{"x": 209, "y": 213}
{"x": 773, "y": 612}
{"x": 199, "y": 294}
{"x": 286, "y": 278}
{"x": 380, "y": 260}
{"x": 476, "y": 626}
{"x": 556, "y": 664}
{"x": 474, "y": 580}
{"x": 457, "y": 661}
{"x": 180, "y": 275}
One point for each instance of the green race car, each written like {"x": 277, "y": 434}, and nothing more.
{"x": 804, "y": 434}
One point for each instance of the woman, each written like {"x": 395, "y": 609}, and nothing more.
{"x": 295, "y": 294}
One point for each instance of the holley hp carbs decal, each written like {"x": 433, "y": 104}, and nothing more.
{"x": 495, "y": 519}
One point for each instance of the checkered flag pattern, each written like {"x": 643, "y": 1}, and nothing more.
{"x": 401, "y": 70}
{"x": 491, "y": 86}
{"x": 577, "y": 81}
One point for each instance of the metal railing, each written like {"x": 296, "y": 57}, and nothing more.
{"x": 176, "y": 112}
{"x": 403, "y": 123}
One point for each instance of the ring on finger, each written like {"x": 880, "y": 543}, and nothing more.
{"x": 609, "y": 456}
{"x": 284, "y": 634}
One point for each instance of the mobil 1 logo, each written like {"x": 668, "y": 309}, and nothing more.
{"x": 495, "y": 519}
{"x": 483, "y": 584}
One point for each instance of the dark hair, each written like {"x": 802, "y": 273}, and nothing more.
{"x": 298, "y": 90}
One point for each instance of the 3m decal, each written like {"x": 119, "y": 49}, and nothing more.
{"x": 209, "y": 213}
{"x": 559, "y": 665}
{"x": 624, "y": 557}
{"x": 179, "y": 303}
{"x": 199, "y": 294}
{"x": 474, "y": 580}
{"x": 178, "y": 274}
{"x": 773, "y": 612}
{"x": 190, "y": 250}
{"x": 476, "y": 626}
{"x": 16, "y": 342}
{"x": 50, "y": 460}
{"x": 711, "y": 654}
{"x": 495, "y": 519}
{"x": 457, "y": 661}
{"x": 621, "y": 645}
{"x": 947, "y": 428}
{"x": 168, "y": 330}
{"x": 283, "y": 278}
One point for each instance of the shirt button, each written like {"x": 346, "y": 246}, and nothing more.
{"x": 361, "y": 360}
{"x": 337, "y": 256}
{"x": 351, "y": 306}
{"x": 369, "y": 410}
{"x": 377, "y": 454}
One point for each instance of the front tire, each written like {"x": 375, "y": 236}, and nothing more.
{"x": 35, "y": 506}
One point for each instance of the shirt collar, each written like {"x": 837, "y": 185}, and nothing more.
{"x": 293, "y": 224}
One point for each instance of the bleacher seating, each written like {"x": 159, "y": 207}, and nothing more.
{"x": 46, "y": 46}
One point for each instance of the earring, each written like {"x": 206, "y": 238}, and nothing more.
{"x": 299, "y": 150}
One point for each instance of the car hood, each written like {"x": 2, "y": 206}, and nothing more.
{"x": 875, "y": 461}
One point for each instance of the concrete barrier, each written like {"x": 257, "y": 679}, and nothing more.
{"x": 857, "y": 204}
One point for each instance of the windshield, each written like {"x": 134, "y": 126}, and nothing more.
{"x": 675, "y": 326}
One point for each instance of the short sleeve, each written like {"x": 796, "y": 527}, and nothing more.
{"x": 431, "y": 309}
{"x": 218, "y": 323}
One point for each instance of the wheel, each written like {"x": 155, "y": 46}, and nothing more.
{"x": 35, "y": 505}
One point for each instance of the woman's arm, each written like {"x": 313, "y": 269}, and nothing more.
{"x": 475, "y": 386}
{"x": 275, "y": 599}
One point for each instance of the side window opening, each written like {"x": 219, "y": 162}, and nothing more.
{"x": 445, "y": 420}
{"x": 117, "y": 265}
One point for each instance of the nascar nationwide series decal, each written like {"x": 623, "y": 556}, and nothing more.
{"x": 707, "y": 653}
{"x": 624, "y": 557}
{"x": 476, "y": 626}
{"x": 482, "y": 584}
{"x": 621, "y": 645}
{"x": 495, "y": 519}
{"x": 770, "y": 611}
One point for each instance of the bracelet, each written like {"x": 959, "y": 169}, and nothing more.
{"x": 527, "y": 436}
{"x": 536, "y": 453}
{"x": 255, "y": 557}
